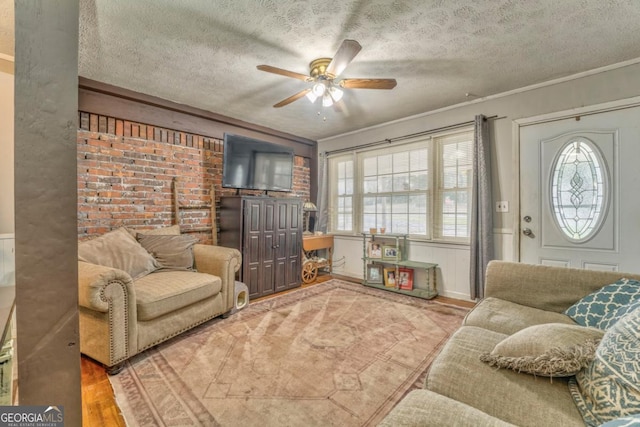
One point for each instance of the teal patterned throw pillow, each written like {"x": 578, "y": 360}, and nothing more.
{"x": 600, "y": 309}
{"x": 633, "y": 421}
{"x": 617, "y": 314}
{"x": 609, "y": 388}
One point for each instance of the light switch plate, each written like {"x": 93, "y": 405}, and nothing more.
{"x": 502, "y": 206}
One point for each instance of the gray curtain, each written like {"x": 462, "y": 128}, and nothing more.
{"x": 481, "y": 208}
{"x": 322, "y": 215}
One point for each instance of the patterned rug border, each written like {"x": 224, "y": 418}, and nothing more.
{"x": 275, "y": 302}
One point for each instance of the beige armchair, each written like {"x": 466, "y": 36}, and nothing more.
{"x": 120, "y": 317}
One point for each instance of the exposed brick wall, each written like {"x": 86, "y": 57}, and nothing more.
{"x": 126, "y": 169}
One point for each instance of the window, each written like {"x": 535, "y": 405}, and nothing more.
{"x": 395, "y": 190}
{"x": 421, "y": 188}
{"x": 453, "y": 197}
{"x": 578, "y": 188}
{"x": 342, "y": 193}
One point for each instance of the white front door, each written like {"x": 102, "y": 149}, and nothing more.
{"x": 580, "y": 192}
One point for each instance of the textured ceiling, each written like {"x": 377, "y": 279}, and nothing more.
{"x": 204, "y": 53}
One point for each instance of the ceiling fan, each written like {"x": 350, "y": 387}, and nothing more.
{"x": 323, "y": 73}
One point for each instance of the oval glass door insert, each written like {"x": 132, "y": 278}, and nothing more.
{"x": 579, "y": 190}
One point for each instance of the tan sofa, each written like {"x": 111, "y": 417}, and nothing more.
{"x": 120, "y": 317}
{"x": 460, "y": 390}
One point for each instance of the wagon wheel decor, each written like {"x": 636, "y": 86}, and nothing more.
{"x": 309, "y": 272}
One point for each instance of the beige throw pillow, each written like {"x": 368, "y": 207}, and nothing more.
{"x": 118, "y": 249}
{"x": 171, "y": 252}
{"x": 173, "y": 230}
{"x": 549, "y": 350}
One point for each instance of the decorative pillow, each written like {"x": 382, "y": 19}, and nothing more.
{"x": 598, "y": 309}
{"x": 117, "y": 249}
{"x": 173, "y": 230}
{"x": 549, "y": 350}
{"x": 632, "y": 421}
{"x": 171, "y": 252}
{"x": 610, "y": 387}
{"x": 619, "y": 313}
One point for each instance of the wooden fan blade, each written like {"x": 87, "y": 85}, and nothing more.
{"x": 345, "y": 54}
{"x": 286, "y": 73}
{"x": 340, "y": 107}
{"x": 292, "y": 98}
{"x": 368, "y": 83}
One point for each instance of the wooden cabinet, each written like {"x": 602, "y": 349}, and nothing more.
{"x": 268, "y": 233}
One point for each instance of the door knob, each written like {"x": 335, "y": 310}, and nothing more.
{"x": 527, "y": 232}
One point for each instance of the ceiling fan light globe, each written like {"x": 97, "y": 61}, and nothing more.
{"x": 312, "y": 97}
{"x": 327, "y": 101}
{"x": 319, "y": 89}
{"x": 336, "y": 94}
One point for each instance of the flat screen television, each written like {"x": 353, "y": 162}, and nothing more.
{"x": 256, "y": 165}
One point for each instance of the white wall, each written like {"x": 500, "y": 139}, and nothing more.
{"x": 6, "y": 147}
{"x": 599, "y": 86}
{"x": 452, "y": 260}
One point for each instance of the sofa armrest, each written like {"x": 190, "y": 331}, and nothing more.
{"x": 108, "y": 313}
{"x": 425, "y": 408}
{"x": 94, "y": 284}
{"x": 222, "y": 262}
{"x": 545, "y": 287}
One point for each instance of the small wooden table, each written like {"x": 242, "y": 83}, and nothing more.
{"x": 313, "y": 242}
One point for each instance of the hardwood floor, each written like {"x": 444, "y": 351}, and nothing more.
{"x": 98, "y": 403}
{"x": 99, "y": 407}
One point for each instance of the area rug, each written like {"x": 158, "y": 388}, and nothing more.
{"x": 333, "y": 354}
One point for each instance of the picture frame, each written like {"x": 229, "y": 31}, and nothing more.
{"x": 375, "y": 273}
{"x": 405, "y": 278}
{"x": 390, "y": 278}
{"x": 374, "y": 250}
{"x": 390, "y": 252}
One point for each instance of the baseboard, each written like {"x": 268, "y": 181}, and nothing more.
{"x": 457, "y": 295}
{"x": 346, "y": 278}
{"x": 452, "y": 295}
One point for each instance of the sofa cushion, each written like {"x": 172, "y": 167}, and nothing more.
{"x": 118, "y": 249}
{"x": 424, "y": 408}
{"x": 610, "y": 387}
{"x": 165, "y": 291}
{"x": 550, "y": 350}
{"x": 523, "y": 400}
{"x": 171, "y": 252}
{"x": 599, "y": 309}
{"x": 507, "y": 317}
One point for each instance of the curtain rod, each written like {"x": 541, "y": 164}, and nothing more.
{"x": 400, "y": 138}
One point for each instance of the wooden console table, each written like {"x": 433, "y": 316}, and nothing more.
{"x": 310, "y": 265}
